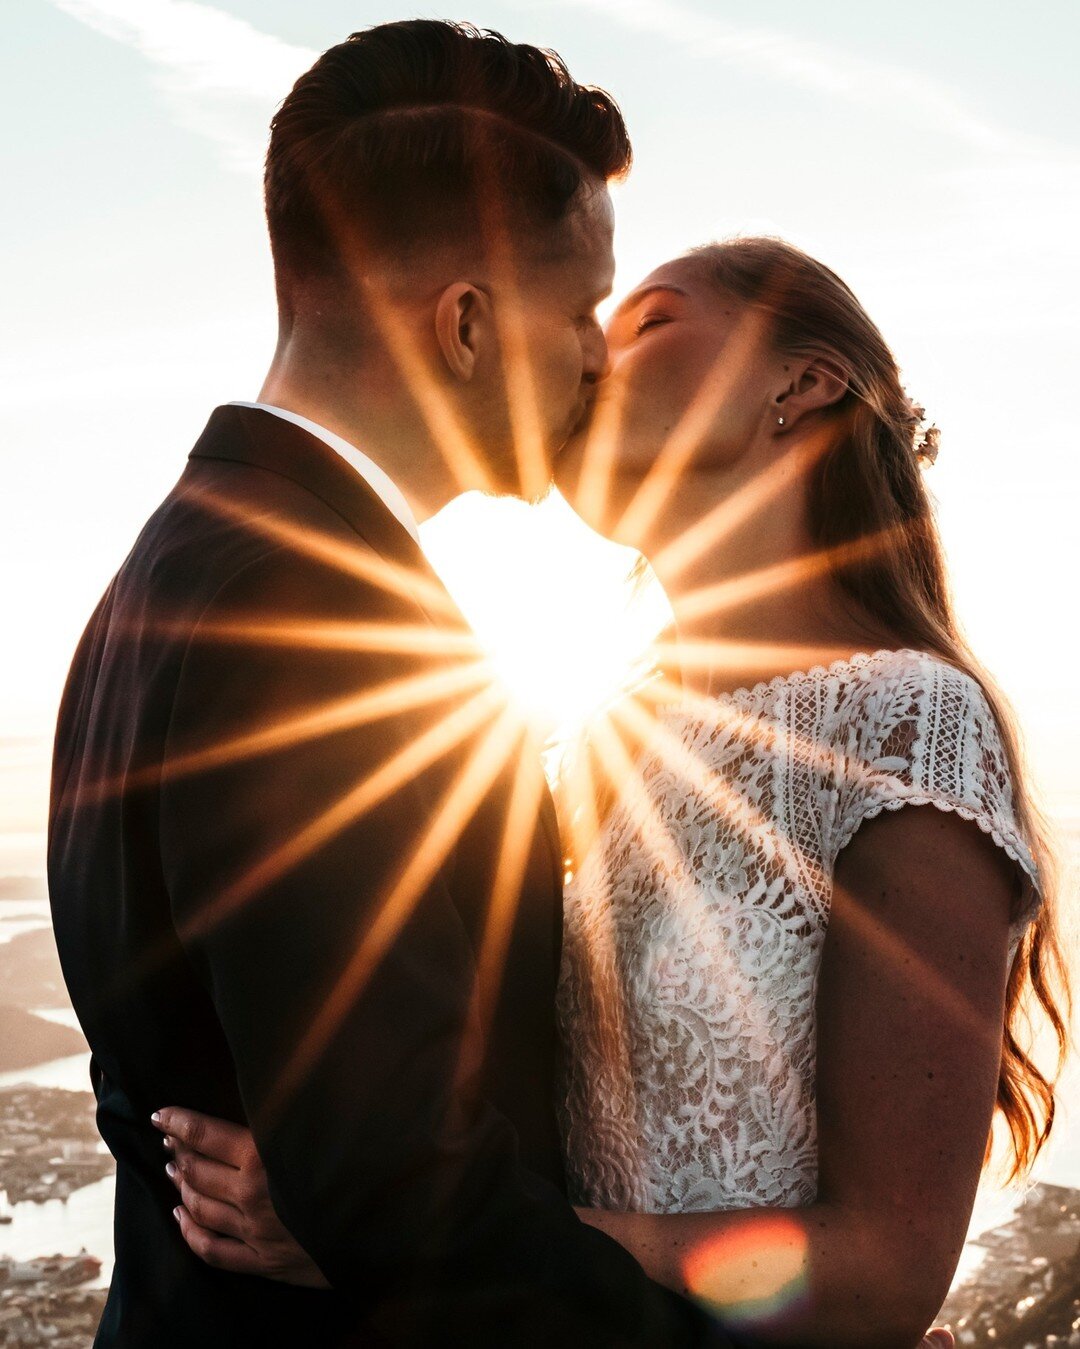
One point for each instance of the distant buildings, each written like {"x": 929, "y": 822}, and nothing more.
{"x": 41, "y": 1303}
{"x": 49, "y": 1144}
{"x": 49, "y": 1147}
{"x": 59, "y": 1271}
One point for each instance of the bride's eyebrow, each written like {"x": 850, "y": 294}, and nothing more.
{"x": 635, "y": 297}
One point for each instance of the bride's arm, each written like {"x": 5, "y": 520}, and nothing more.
{"x": 910, "y": 1008}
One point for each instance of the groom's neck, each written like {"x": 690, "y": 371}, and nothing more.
{"x": 370, "y": 412}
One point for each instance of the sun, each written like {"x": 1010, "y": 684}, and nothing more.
{"x": 550, "y": 600}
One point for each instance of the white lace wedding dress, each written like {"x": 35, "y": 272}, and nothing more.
{"x": 694, "y": 926}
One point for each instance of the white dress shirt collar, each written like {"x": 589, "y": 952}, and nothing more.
{"x": 375, "y": 477}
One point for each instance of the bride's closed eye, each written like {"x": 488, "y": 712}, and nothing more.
{"x": 650, "y": 321}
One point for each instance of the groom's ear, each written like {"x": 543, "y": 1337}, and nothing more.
{"x": 815, "y": 384}
{"x": 462, "y": 313}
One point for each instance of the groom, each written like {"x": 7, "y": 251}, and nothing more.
{"x": 304, "y": 869}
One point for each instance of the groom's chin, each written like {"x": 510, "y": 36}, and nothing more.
{"x": 566, "y": 474}
{"x": 529, "y": 483}
{"x": 540, "y": 492}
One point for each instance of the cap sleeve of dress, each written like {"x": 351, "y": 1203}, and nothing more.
{"x": 923, "y": 733}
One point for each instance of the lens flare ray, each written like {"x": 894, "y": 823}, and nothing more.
{"x": 387, "y": 700}
{"x": 419, "y": 754}
{"x": 577, "y": 798}
{"x": 687, "y": 436}
{"x": 522, "y": 820}
{"x": 892, "y": 949}
{"x": 365, "y": 565}
{"x": 673, "y": 874}
{"x": 443, "y": 830}
{"x": 448, "y": 435}
{"x": 708, "y": 601}
{"x": 744, "y": 726}
{"x": 953, "y": 1005}
{"x": 516, "y": 354}
{"x": 743, "y": 659}
{"x": 465, "y": 462}
{"x": 599, "y": 455}
{"x": 407, "y": 639}
{"x": 633, "y": 796}
{"x": 614, "y": 1100}
{"x": 723, "y": 795}
{"x": 737, "y": 508}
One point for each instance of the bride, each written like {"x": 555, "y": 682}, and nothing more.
{"x": 790, "y": 1004}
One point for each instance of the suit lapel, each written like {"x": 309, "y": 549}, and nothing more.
{"x": 258, "y": 438}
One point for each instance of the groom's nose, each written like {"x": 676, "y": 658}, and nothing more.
{"x": 595, "y": 362}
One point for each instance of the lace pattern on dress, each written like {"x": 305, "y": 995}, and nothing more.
{"x": 694, "y": 927}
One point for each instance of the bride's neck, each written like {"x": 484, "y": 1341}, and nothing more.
{"x": 750, "y": 597}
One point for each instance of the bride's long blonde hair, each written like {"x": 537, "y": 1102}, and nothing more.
{"x": 869, "y": 485}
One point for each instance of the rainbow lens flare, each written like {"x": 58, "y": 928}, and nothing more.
{"x": 756, "y": 1274}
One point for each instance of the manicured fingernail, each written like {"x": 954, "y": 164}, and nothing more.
{"x": 170, "y": 1170}
{"x": 167, "y": 1142}
{"x": 156, "y": 1117}
{"x": 176, "y": 1212}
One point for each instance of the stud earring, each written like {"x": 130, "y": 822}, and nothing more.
{"x": 779, "y": 421}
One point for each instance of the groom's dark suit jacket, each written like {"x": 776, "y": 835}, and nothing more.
{"x": 277, "y": 823}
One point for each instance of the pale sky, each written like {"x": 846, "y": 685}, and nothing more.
{"x": 929, "y": 155}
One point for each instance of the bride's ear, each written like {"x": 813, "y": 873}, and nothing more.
{"x": 815, "y": 384}
{"x": 462, "y": 315}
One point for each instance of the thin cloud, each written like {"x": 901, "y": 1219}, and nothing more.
{"x": 784, "y": 56}
{"x": 220, "y": 76}
{"x": 223, "y": 77}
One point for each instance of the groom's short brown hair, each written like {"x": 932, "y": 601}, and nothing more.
{"x": 408, "y": 132}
